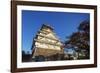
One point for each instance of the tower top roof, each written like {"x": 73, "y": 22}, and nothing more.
{"x": 47, "y": 26}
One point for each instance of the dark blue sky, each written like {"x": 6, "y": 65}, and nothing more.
{"x": 64, "y": 24}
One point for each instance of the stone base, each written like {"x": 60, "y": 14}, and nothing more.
{"x": 46, "y": 52}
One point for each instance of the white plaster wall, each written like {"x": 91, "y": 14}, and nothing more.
{"x": 5, "y": 36}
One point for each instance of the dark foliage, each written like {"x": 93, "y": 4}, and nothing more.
{"x": 26, "y": 57}
{"x": 80, "y": 40}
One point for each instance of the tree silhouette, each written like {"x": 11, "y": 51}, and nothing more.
{"x": 23, "y": 52}
{"x": 26, "y": 56}
{"x": 80, "y": 40}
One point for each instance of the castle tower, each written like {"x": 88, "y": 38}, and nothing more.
{"x": 46, "y": 43}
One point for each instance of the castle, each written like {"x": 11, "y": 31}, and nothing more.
{"x": 46, "y": 45}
